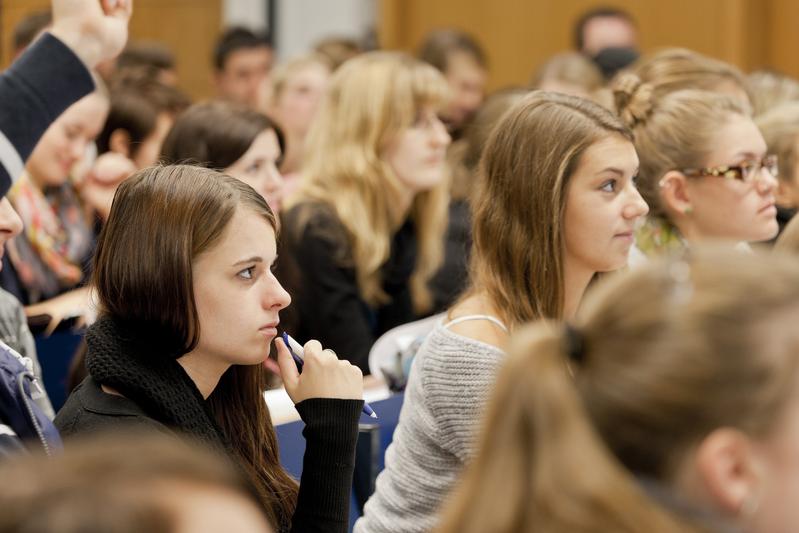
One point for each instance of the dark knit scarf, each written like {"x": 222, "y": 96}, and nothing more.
{"x": 147, "y": 374}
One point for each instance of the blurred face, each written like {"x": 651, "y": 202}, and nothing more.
{"x": 150, "y": 148}
{"x": 244, "y": 75}
{"x": 65, "y": 141}
{"x": 602, "y": 207}
{"x": 10, "y": 225}
{"x": 788, "y": 188}
{"x": 730, "y": 209}
{"x": 238, "y": 297}
{"x": 467, "y": 81}
{"x": 608, "y": 32}
{"x": 258, "y": 168}
{"x": 417, "y": 153}
{"x": 296, "y": 107}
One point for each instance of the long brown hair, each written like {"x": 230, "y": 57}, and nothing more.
{"x": 161, "y": 220}
{"x": 660, "y": 358}
{"x": 520, "y": 200}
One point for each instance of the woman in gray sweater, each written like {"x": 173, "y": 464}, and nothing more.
{"x": 556, "y": 203}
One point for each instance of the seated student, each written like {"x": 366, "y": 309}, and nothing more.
{"x": 298, "y": 87}
{"x": 233, "y": 139}
{"x": 670, "y": 405}
{"x": 556, "y": 204}
{"x": 780, "y": 129}
{"x": 188, "y": 307}
{"x": 52, "y": 74}
{"x": 705, "y": 170}
{"x": 155, "y": 58}
{"x": 242, "y": 62}
{"x": 142, "y": 112}
{"x": 337, "y": 50}
{"x": 609, "y": 37}
{"x": 464, "y": 155}
{"x": 364, "y": 234}
{"x": 769, "y": 89}
{"x": 462, "y": 61}
{"x": 128, "y": 483}
{"x": 49, "y": 257}
{"x": 568, "y": 73}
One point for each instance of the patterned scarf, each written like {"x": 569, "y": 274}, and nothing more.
{"x": 56, "y": 238}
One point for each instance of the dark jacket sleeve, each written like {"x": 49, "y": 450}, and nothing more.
{"x": 34, "y": 91}
{"x": 331, "y": 433}
{"x": 327, "y": 302}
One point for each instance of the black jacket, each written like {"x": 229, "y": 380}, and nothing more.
{"x": 159, "y": 396}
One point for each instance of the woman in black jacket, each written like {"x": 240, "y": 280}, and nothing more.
{"x": 188, "y": 306}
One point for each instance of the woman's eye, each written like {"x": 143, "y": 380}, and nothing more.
{"x": 247, "y": 273}
{"x": 609, "y": 186}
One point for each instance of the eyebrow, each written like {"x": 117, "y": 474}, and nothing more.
{"x": 254, "y": 259}
{"x": 747, "y": 154}
{"x": 614, "y": 170}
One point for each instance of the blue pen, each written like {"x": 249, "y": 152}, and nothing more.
{"x": 297, "y": 352}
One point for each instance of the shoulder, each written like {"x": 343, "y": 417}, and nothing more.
{"x": 89, "y": 409}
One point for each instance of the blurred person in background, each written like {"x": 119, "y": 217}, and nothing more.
{"x": 242, "y": 63}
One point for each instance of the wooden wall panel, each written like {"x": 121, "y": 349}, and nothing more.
{"x": 188, "y": 27}
{"x": 519, "y": 35}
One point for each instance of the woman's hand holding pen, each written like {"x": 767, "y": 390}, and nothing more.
{"x": 323, "y": 374}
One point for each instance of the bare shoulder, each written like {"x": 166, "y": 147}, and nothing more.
{"x": 480, "y": 330}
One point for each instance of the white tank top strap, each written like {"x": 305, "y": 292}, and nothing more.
{"x": 492, "y": 319}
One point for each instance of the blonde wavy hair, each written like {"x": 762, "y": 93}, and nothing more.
{"x": 371, "y": 99}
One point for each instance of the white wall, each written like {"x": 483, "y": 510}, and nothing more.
{"x": 301, "y": 23}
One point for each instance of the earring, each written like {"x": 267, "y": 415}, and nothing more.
{"x": 688, "y": 210}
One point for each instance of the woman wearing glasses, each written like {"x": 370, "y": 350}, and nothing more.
{"x": 704, "y": 169}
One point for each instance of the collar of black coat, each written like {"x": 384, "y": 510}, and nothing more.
{"x": 148, "y": 374}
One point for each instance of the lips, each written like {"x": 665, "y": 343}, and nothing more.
{"x": 769, "y": 206}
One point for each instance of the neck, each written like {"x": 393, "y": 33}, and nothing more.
{"x": 575, "y": 280}
{"x": 204, "y": 371}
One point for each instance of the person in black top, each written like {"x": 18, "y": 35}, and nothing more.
{"x": 364, "y": 233}
{"x": 188, "y": 306}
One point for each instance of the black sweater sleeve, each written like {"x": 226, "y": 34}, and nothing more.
{"x": 331, "y": 433}
{"x": 34, "y": 91}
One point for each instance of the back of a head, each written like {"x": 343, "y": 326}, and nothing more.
{"x": 659, "y": 358}
{"x": 780, "y": 129}
{"x": 440, "y": 44}
{"x": 146, "y": 54}
{"x": 520, "y": 199}
{"x": 120, "y": 483}
{"x": 672, "y": 130}
{"x": 568, "y": 70}
{"x": 337, "y": 50}
{"x": 237, "y": 38}
{"x": 215, "y": 134}
{"x": 675, "y": 69}
{"x": 769, "y": 89}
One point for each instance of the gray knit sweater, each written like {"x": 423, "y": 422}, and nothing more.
{"x": 449, "y": 384}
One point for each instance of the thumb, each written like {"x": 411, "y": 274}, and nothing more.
{"x": 288, "y": 369}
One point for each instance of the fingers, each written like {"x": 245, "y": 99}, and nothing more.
{"x": 288, "y": 369}
{"x": 55, "y": 320}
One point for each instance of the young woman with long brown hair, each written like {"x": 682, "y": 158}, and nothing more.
{"x": 188, "y": 306}
{"x": 556, "y": 203}
{"x": 669, "y": 405}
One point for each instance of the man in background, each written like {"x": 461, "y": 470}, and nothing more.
{"x": 242, "y": 62}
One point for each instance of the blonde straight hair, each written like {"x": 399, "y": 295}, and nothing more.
{"x": 660, "y": 358}
{"x": 520, "y": 201}
{"x": 371, "y": 99}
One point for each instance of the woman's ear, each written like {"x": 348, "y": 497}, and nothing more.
{"x": 726, "y": 465}
{"x": 119, "y": 142}
{"x": 674, "y": 192}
